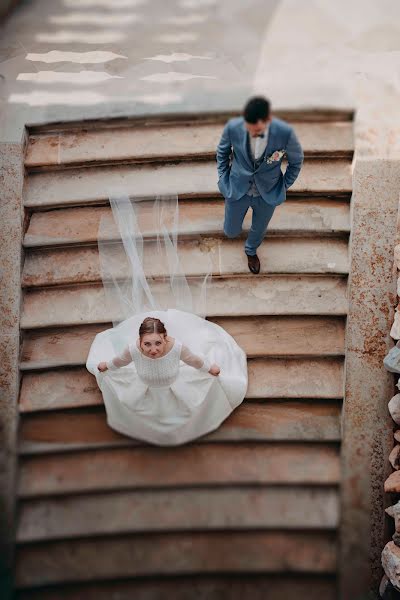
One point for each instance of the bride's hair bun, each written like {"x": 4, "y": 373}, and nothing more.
{"x": 152, "y": 325}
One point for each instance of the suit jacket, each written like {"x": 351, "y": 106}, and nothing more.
{"x": 236, "y": 175}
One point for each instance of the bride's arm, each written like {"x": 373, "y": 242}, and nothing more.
{"x": 198, "y": 362}
{"x": 118, "y": 361}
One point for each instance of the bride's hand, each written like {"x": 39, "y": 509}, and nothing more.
{"x": 214, "y": 370}
{"x": 102, "y": 366}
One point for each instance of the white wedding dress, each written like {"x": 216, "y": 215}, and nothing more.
{"x": 172, "y": 399}
{"x": 166, "y": 400}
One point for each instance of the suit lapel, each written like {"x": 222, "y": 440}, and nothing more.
{"x": 271, "y": 138}
{"x": 246, "y": 145}
{"x": 271, "y": 143}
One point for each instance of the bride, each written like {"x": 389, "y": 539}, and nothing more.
{"x": 167, "y": 375}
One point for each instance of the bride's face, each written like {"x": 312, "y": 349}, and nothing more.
{"x": 153, "y": 344}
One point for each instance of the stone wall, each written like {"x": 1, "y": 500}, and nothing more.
{"x": 390, "y": 584}
{"x": 11, "y": 224}
{"x": 366, "y": 427}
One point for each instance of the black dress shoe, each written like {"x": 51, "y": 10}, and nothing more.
{"x": 254, "y": 263}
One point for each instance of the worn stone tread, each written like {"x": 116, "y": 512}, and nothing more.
{"x": 258, "y": 336}
{"x": 188, "y": 179}
{"x": 217, "y": 587}
{"x": 80, "y": 225}
{"x": 221, "y": 257}
{"x": 85, "y": 428}
{"x": 248, "y": 296}
{"x": 176, "y": 554}
{"x": 171, "y": 467}
{"x": 178, "y": 510}
{"x": 317, "y": 378}
{"x": 144, "y": 143}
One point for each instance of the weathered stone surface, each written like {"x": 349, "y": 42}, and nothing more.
{"x": 371, "y": 294}
{"x": 268, "y": 378}
{"x": 50, "y": 390}
{"x": 270, "y": 295}
{"x": 176, "y": 554}
{"x": 391, "y": 563}
{"x": 397, "y": 256}
{"x": 215, "y": 587}
{"x": 203, "y": 464}
{"x": 394, "y": 512}
{"x": 392, "y": 483}
{"x": 200, "y": 217}
{"x": 11, "y": 223}
{"x": 187, "y": 179}
{"x": 138, "y": 143}
{"x": 222, "y": 257}
{"x": 295, "y": 378}
{"x": 65, "y": 430}
{"x": 394, "y": 457}
{"x": 395, "y": 330}
{"x": 178, "y": 510}
{"x": 58, "y": 347}
{"x": 258, "y": 336}
{"x": 394, "y": 408}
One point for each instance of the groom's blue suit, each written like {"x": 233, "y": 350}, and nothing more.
{"x": 238, "y": 175}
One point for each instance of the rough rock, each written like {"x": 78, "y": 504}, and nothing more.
{"x": 394, "y": 408}
{"x": 391, "y": 563}
{"x": 397, "y": 256}
{"x": 392, "y": 483}
{"x": 394, "y": 457}
{"x": 383, "y": 585}
{"x": 395, "y": 330}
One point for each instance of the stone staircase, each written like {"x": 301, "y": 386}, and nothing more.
{"x": 249, "y": 511}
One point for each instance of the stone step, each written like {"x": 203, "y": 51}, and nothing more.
{"x": 62, "y": 562}
{"x": 174, "y": 141}
{"x": 319, "y": 378}
{"x": 248, "y": 296}
{"x": 80, "y": 225}
{"x": 188, "y": 179}
{"x": 315, "y": 115}
{"x": 86, "y": 428}
{"x": 221, "y": 257}
{"x": 188, "y": 465}
{"x": 216, "y": 587}
{"x": 258, "y": 336}
{"x": 148, "y": 511}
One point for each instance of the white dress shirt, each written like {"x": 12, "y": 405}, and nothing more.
{"x": 258, "y": 144}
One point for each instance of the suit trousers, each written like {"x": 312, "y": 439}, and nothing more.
{"x": 235, "y": 212}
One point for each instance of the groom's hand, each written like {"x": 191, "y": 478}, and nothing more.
{"x": 224, "y": 149}
{"x": 295, "y": 158}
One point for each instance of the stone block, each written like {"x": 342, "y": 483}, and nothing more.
{"x": 394, "y": 408}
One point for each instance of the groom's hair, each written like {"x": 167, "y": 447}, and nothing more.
{"x": 256, "y": 108}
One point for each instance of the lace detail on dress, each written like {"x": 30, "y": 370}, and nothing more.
{"x": 158, "y": 372}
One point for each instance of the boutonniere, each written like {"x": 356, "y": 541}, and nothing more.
{"x": 275, "y": 156}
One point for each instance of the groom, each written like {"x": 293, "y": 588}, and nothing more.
{"x": 253, "y": 176}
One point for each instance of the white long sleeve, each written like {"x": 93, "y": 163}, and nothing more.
{"x": 120, "y": 361}
{"x": 198, "y": 362}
